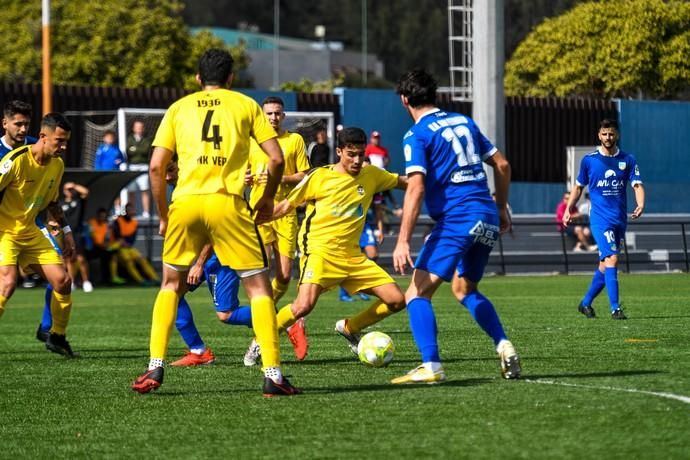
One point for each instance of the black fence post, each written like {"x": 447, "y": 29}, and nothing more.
{"x": 627, "y": 258}
{"x": 565, "y": 252}
{"x": 685, "y": 248}
{"x": 500, "y": 251}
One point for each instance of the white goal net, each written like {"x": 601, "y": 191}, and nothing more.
{"x": 93, "y": 124}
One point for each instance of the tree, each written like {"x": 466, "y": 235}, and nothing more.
{"x": 612, "y": 48}
{"x": 126, "y": 43}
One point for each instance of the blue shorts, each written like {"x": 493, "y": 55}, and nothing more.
{"x": 223, "y": 284}
{"x": 609, "y": 238}
{"x": 461, "y": 246}
{"x": 367, "y": 238}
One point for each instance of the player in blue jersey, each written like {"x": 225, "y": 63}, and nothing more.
{"x": 443, "y": 161}
{"x": 223, "y": 284}
{"x": 606, "y": 172}
{"x": 16, "y": 117}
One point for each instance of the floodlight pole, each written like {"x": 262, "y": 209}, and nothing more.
{"x": 47, "y": 83}
{"x": 276, "y": 44}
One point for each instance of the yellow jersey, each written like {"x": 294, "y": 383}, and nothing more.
{"x": 210, "y": 131}
{"x": 337, "y": 205}
{"x": 295, "y": 153}
{"x": 26, "y": 188}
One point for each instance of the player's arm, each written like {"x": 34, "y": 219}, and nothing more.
{"x": 575, "y": 194}
{"x": 502, "y": 172}
{"x": 402, "y": 183}
{"x": 296, "y": 178}
{"x": 379, "y": 212}
{"x": 283, "y": 209}
{"x": 197, "y": 269}
{"x": 412, "y": 205}
{"x": 276, "y": 166}
{"x": 639, "y": 199}
{"x": 80, "y": 189}
{"x": 157, "y": 171}
{"x": 55, "y": 211}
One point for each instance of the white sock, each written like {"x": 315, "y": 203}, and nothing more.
{"x": 198, "y": 351}
{"x": 274, "y": 373}
{"x": 155, "y": 362}
{"x": 433, "y": 366}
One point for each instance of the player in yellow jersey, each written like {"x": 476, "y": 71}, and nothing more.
{"x": 29, "y": 183}
{"x": 279, "y": 236}
{"x": 209, "y": 130}
{"x": 338, "y": 197}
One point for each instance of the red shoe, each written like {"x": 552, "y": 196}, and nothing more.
{"x": 149, "y": 380}
{"x": 192, "y": 359}
{"x": 298, "y": 337}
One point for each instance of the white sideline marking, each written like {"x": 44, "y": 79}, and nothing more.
{"x": 684, "y": 399}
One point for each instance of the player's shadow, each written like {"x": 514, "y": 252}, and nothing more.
{"x": 388, "y": 387}
{"x": 659, "y": 317}
{"x": 574, "y": 375}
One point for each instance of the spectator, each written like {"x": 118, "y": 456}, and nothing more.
{"x": 580, "y": 233}
{"x": 108, "y": 155}
{"x": 138, "y": 152}
{"x": 318, "y": 151}
{"x": 124, "y": 236}
{"x": 97, "y": 242}
{"x": 583, "y": 209}
{"x": 74, "y": 197}
{"x": 378, "y": 154}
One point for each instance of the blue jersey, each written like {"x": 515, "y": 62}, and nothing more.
{"x": 448, "y": 149}
{"x": 4, "y": 148}
{"x": 607, "y": 177}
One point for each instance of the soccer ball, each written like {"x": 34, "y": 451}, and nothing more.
{"x": 376, "y": 349}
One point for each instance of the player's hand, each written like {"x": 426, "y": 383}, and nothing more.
{"x": 263, "y": 210}
{"x": 566, "y": 218}
{"x": 505, "y": 222}
{"x": 637, "y": 212}
{"x": 163, "y": 226}
{"x": 401, "y": 257}
{"x": 194, "y": 276}
{"x": 397, "y": 212}
{"x": 379, "y": 237}
{"x": 248, "y": 178}
{"x": 262, "y": 178}
{"x": 70, "y": 248}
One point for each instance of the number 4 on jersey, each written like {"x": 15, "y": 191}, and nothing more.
{"x": 211, "y": 133}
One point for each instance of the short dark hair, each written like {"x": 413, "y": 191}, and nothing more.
{"x": 418, "y": 86}
{"x": 109, "y": 132}
{"x": 101, "y": 210}
{"x": 12, "y": 108}
{"x": 274, "y": 100}
{"x": 55, "y": 120}
{"x": 351, "y": 136}
{"x": 608, "y": 123}
{"x": 215, "y": 66}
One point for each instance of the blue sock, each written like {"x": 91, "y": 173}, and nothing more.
{"x": 343, "y": 292}
{"x": 485, "y": 315}
{"x": 186, "y": 327}
{"x": 611, "y": 276}
{"x": 598, "y": 283}
{"x": 424, "y": 331}
{"x": 47, "y": 319}
{"x": 241, "y": 317}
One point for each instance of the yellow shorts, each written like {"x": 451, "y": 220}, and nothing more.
{"x": 282, "y": 233}
{"x": 354, "y": 273}
{"x": 223, "y": 220}
{"x": 32, "y": 249}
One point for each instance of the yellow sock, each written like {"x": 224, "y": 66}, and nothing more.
{"x": 3, "y": 301}
{"x": 375, "y": 313}
{"x": 164, "y": 311}
{"x": 133, "y": 272}
{"x": 285, "y": 318}
{"x": 60, "y": 308}
{"x": 279, "y": 289}
{"x": 113, "y": 267}
{"x": 264, "y": 324}
{"x": 148, "y": 270}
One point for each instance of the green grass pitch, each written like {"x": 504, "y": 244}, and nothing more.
{"x": 591, "y": 388}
